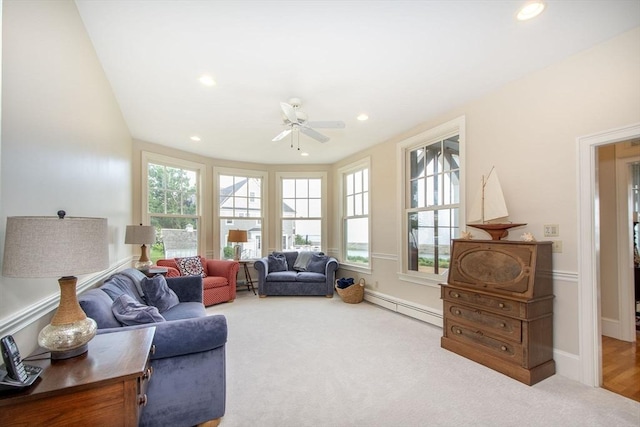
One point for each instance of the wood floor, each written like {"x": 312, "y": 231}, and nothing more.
{"x": 621, "y": 367}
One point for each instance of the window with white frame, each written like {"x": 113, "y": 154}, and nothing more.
{"x": 355, "y": 214}
{"x": 241, "y": 207}
{"x": 432, "y": 198}
{"x": 172, "y": 199}
{"x": 302, "y": 211}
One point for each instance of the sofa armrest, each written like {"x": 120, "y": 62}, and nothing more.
{"x": 185, "y": 336}
{"x": 187, "y": 288}
{"x": 262, "y": 267}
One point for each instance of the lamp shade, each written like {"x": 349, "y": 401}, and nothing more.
{"x": 237, "y": 236}
{"x": 54, "y": 246}
{"x": 140, "y": 234}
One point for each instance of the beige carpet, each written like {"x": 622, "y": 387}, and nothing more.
{"x": 314, "y": 361}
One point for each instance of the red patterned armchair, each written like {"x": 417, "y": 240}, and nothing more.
{"x": 219, "y": 276}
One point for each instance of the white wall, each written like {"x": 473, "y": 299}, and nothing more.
{"x": 64, "y": 145}
{"x": 527, "y": 130}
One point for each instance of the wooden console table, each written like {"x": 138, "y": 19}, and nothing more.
{"x": 104, "y": 387}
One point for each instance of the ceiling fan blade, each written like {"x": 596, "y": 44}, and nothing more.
{"x": 314, "y": 134}
{"x": 289, "y": 112}
{"x": 327, "y": 125}
{"x": 282, "y": 134}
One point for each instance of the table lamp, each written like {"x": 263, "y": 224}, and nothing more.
{"x": 141, "y": 235}
{"x": 237, "y": 236}
{"x": 59, "y": 247}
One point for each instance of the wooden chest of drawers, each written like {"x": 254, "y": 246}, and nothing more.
{"x": 498, "y": 307}
{"x": 104, "y": 387}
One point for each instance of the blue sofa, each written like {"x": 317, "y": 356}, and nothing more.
{"x": 294, "y": 282}
{"x": 188, "y": 385}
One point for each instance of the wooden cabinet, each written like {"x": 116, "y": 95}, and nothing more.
{"x": 104, "y": 387}
{"x": 498, "y": 306}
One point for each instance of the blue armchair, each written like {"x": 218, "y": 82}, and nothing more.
{"x": 188, "y": 385}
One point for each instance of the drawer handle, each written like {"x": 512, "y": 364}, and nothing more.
{"x": 503, "y": 325}
{"x": 501, "y": 305}
{"x": 153, "y": 350}
{"x": 142, "y": 400}
{"x": 147, "y": 374}
{"x": 503, "y": 348}
{"x": 458, "y": 312}
{"x": 455, "y": 294}
{"x": 458, "y": 331}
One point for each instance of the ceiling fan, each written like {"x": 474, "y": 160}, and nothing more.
{"x": 296, "y": 120}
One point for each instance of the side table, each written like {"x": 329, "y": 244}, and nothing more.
{"x": 105, "y": 386}
{"x": 247, "y": 275}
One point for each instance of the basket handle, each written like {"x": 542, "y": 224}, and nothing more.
{"x": 361, "y": 281}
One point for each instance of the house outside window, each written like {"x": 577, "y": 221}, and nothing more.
{"x": 355, "y": 214}
{"x": 432, "y": 194}
{"x": 302, "y": 210}
{"x": 172, "y": 200}
{"x": 240, "y": 207}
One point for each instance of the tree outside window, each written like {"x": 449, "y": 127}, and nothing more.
{"x": 173, "y": 209}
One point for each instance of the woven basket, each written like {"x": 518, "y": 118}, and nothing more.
{"x": 353, "y": 294}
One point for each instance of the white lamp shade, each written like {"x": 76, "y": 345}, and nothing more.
{"x": 55, "y": 247}
{"x": 140, "y": 234}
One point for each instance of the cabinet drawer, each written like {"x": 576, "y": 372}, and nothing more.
{"x": 484, "y": 341}
{"x": 500, "y": 325}
{"x": 495, "y": 304}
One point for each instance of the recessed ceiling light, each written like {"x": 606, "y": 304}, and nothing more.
{"x": 530, "y": 10}
{"x": 207, "y": 80}
{"x": 362, "y": 117}
{"x": 195, "y": 138}
{"x": 304, "y": 154}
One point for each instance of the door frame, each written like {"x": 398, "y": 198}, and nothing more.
{"x": 589, "y": 250}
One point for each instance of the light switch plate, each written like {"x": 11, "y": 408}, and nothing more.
{"x": 551, "y": 230}
{"x": 556, "y": 247}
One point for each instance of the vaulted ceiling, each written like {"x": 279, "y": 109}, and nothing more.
{"x": 399, "y": 62}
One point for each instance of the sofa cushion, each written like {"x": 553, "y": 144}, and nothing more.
{"x": 129, "y": 312}
{"x": 282, "y": 276}
{"x": 185, "y": 310}
{"x": 158, "y": 294}
{"x": 310, "y": 277}
{"x": 318, "y": 263}
{"x": 97, "y": 305}
{"x": 277, "y": 262}
{"x": 211, "y": 282}
{"x": 190, "y": 266}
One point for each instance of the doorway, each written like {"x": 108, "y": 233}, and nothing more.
{"x": 589, "y": 250}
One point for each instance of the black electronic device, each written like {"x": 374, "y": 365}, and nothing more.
{"x": 17, "y": 374}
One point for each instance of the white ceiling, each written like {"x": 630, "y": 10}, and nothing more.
{"x": 400, "y": 62}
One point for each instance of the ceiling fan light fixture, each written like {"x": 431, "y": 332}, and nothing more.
{"x": 530, "y": 10}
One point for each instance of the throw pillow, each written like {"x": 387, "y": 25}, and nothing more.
{"x": 318, "y": 263}
{"x": 277, "y": 262}
{"x": 190, "y": 266}
{"x": 158, "y": 293}
{"x": 130, "y": 312}
{"x": 302, "y": 261}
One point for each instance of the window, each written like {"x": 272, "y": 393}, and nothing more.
{"x": 355, "y": 214}
{"x": 432, "y": 198}
{"x": 240, "y": 207}
{"x": 302, "y": 211}
{"x": 172, "y": 205}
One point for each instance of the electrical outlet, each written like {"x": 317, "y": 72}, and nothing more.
{"x": 556, "y": 247}
{"x": 551, "y": 230}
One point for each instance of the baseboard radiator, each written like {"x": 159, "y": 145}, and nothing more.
{"x": 408, "y": 308}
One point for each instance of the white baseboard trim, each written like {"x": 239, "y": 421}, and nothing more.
{"x": 610, "y": 327}
{"x": 408, "y": 308}
{"x": 30, "y": 314}
{"x": 567, "y": 364}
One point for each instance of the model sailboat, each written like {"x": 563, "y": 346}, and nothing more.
{"x": 489, "y": 205}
